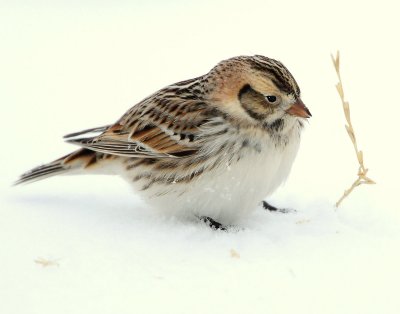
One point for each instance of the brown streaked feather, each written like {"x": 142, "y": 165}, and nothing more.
{"x": 156, "y": 127}
{"x": 145, "y": 134}
{"x": 159, "y": 139}
{"x": 82, "y": 158}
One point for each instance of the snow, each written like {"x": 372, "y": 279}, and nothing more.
{"x": 89, "y": 245}
{"x": 114, "y": 255}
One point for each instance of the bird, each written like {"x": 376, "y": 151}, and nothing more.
{"x": 211, "y": 147}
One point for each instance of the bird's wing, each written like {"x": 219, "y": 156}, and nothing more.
{"x": 163, "y": 125}
{"x": 88, "y": 133}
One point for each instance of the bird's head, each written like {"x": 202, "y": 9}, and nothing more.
{"x": 258, "y": 88}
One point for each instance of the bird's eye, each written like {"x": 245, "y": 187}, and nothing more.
{"x": 271, "y": 99}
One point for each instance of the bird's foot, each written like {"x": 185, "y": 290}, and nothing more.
{"x": 271, "y": 208}
{"x": 213, "y": 224}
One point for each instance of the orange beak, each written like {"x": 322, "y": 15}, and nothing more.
{"x": 298, "y": 109}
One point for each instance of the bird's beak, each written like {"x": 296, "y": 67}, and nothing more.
{"x": 298, "y": 109}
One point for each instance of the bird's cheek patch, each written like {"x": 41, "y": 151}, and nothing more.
{"x": 254, "y": 103}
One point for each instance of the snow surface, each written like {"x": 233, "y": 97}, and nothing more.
{"x": 89, "y": 245}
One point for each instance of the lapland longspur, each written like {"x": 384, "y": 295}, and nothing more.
{"x": 213, "y": 146}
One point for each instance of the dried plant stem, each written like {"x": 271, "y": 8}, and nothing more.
{"x": 46, "y": 262}
{"x": 362, "y": 171}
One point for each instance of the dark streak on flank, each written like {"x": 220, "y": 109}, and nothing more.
{"x": 141, "y": 162}
{"x": 184, "y": 153}
{"x": 168, "y": 180}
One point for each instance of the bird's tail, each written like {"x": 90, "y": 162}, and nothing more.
{"x": 77, "y": 160}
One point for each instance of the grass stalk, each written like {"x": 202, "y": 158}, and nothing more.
{"x": 362, "y": 170}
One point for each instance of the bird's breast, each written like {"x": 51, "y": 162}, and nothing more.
{"x": 232, "y": 180}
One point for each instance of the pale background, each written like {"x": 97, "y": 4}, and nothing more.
{"x": 67, "y": 66}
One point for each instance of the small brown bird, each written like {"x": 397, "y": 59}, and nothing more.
{"x": 213, "y": 146}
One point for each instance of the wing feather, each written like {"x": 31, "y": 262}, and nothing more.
{"x": 167, "y": 124}
{"x": 88, "y": 133}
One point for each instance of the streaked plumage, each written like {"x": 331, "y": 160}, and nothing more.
{"x": 214, "y": 146}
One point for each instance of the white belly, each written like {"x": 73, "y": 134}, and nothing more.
{"x": 230, "y": 191}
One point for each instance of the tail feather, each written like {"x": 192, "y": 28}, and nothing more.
{"x": 41, "y": 172}
{"x": 81, "y": 158}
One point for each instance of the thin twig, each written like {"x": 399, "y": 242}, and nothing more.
{"x": 362, "y": 170}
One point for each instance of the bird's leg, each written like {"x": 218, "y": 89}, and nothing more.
{"x": 212, "y": 223}
{"x": 271, "y": 208}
